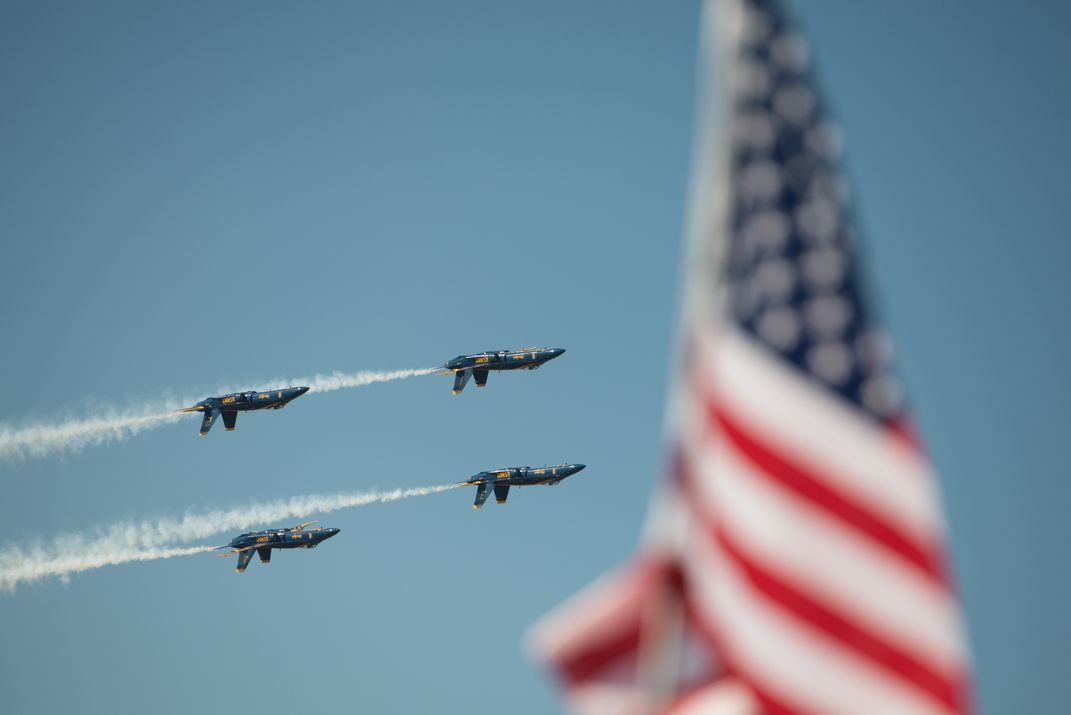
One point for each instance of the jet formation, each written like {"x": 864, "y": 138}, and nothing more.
{"x": 479, "y": 365}
{"x": 296, "y": 537}
{"x": 476, "y": 365}
{"x": 230, "y": 405}
{"x": 502, "y": 479}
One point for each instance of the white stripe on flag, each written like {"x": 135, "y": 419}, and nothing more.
{"x": 725, "y": 697}
{"x": 598, "y": 698}
{"x": 822, "y": 557}
{"x": 861, "y": 459}
{"x": 787, "y": 658}
{"x": 598, "y": 613}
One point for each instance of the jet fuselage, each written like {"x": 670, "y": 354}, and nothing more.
{"x": 502, "y": 479}
{"x": 283, "y": 538}
{"x": 478, "y": 365}
{"x": 230, "y": 405}
{"x": 262, "y": 542}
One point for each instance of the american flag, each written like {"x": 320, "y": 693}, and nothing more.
{"x": 793, "y": 561}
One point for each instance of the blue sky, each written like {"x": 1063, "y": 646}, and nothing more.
{"x": 196, "y": 194}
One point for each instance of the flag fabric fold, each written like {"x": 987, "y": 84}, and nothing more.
{"x": 793, "y": 561}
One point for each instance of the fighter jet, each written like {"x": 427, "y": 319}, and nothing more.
{"x": 264, "y": 541}
{"x": 230, "y": 405}
{"x": 503, "y": 479}
{"x": 477, "y": 365}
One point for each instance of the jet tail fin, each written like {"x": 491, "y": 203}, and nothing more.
{"x": 482, "y": 491}
{"x": 208, "y": 420}
{"x": 461, "y": 378}
{"x": 265, "y": 554}
{"x": 229, "y": 419}
{"x": 481, "y": 377}
{"x": 501, "y": 492}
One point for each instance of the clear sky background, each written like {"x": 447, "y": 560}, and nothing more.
{"x": 193, "y": 193}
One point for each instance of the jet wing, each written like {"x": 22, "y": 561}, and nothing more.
{"x": 461, "y": 378}
{"x": 482, "y": 490}
{"x": 208, "y": 420}
{"x": 229, "y": 418}
{"x": 243, "y": 559}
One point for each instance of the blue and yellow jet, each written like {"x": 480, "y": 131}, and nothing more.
{"x": 503, "y": 479}
{"x": 230, "y": 405}
{"x": 263, "y": 542}
{"x": 478, "y": 365}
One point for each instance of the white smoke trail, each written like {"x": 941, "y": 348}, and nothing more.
{"x": 342, "y": 380}
{"x": 73, "y": 434}
{"x": 148, "y": 540}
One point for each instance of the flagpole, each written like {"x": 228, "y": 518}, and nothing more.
{"x": 699, "y": 301}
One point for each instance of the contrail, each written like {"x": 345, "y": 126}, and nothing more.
{"x": 41, "y": 439}
{"x": 150, "y": 540}
{"x": 343, "y": 380}
{"x": 17, "y": 566}
{"x": 111, "y": 424}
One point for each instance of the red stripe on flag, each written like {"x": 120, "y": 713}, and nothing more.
{"x": 612, "y": 639}
{"x": 770, "y": 705}
{"x": 584, "y": 665}
{"x": 903, "y": 665}
{"x": 948, "y": 691}
{"x": 817, "y": 491}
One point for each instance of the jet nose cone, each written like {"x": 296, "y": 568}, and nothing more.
{"x": 557, "y": 351}
{"x": 301, "y": 390}
{"x": 331, "y": 532}
{"x": 578, "y": 467}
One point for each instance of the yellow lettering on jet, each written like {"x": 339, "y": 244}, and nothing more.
{"x": 227, "y": 400}
{"x": 480, "y": 361}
